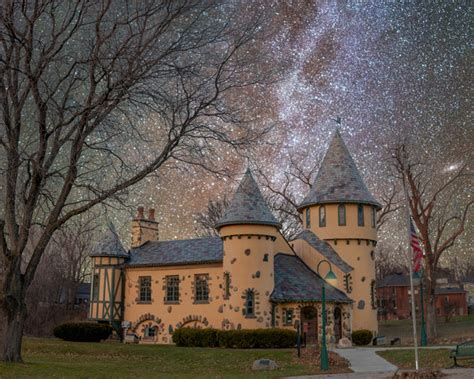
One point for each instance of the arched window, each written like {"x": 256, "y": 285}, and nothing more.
{"x": 308, "y": 218}
{"x": 360, "y": 215}
{"x": 249, "y": 303}
{"x": 374, "y": 217}
{"x": 341, "y": 215}
{"x": 322, "y": 216}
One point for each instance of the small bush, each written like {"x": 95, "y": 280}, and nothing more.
{"x": 240, "y": 339}
{"x": 361, "y": 337}
{"x": 83, "y": 331}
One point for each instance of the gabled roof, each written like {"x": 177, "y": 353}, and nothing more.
{"x": 338, "y": 180}
{"x": 248, "y": 206}
{"x": 177, "y": 252}
{"x": 394, "y": 280}
{"x": 324, "y": 249}
{"x": 294, "y": 281}
{"x": 110, "y": 245}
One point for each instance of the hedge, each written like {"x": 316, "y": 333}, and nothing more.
{"x": 240, "y": 339}
{"x": 83, "y": 331}
{"x": 362, "y": 337}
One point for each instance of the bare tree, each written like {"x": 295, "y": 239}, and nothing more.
{"x": 439, "y": 205}
{"x": 206, "y": 220}
{"x": 97, "y": 95}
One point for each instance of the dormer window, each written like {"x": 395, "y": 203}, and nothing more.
{"x": 308, "y": 218}
{"x": 322, "y": 216}
{"x": 360, "y": 215}
{"x": 341, "y": 215}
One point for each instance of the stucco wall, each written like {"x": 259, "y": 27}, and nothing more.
{"x": 355, "y": 244}
{"x": 169, "y": 316}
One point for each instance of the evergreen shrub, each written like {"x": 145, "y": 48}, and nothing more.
{"x": 361, "y": 337}
{"x": 83, "y": 331}
{"x": 240, "y": 339}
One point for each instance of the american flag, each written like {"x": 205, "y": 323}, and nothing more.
{"x": 417, "y": 251}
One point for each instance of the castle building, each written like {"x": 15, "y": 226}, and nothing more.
{"x": 250, "y": 276}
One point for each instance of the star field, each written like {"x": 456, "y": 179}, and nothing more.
{"x": 392, "y": 71}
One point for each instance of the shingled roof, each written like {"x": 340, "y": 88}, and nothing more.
{"x": 294, "y": 281}
{"x": 178, "y": 252}
{"x": 324, "y": 249}
{"x": 110, "y": 245}
{"x": 338, "y": 180}
{"x": 248, "y": 206}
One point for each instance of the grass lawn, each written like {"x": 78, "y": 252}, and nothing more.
{"x": 429, "y": 358}
{"x": 53, "y": 358}
{"x": 461, "y": 327}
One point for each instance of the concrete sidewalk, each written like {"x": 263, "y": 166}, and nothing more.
{"x": 363, "y": 359}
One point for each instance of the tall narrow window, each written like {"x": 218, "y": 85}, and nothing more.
{"x": 249, "y": 303}
{"x": 341, "y": 213}
{"x": 374, "y": 217}
{"x": 201, "y": 289}
{"x": 360, "y": 215}
{"x": 308, "y": 218}
{"x": 226, "y": 285}
{"x": 373, "y": 295}
{"x": 145, "y": 288}
{"x": 95, "y": 287}
{"x": 322, "y": 216}
{"x": 172, "y": 288}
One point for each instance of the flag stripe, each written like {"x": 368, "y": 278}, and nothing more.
{"x": 415, "y": 245}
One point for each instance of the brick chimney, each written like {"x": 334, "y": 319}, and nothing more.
{"x": 144, "y": 229}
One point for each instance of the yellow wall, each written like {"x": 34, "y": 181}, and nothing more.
{"x": 296, "y": 308}
{"x": 162, "y": 314}
{"x": 354, "y": 244}
{"x": 245, "y": 248}
{"x": 109, "y": 274}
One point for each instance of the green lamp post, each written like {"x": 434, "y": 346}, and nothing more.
{"x": 331, "y": 279}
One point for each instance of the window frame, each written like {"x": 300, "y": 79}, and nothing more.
{"x": 322, "y": 216}
{"x": 250, "y": 297}
{"x": 288, "y": 320}
{"x": 360, "y": 215}
{"x": 95, "y": 286}
{"x": 341, "y": 221}
{"x": 374, "y": 217}
{"x": 144, "y": 290}
{"x": 308, "y": 218}
{"x": 172, "y": 289}
{"x": 226, "y": 285}
{"x": 201, "y": 288}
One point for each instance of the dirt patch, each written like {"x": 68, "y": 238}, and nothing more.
{"x": 311, "y": 356}
{"x": 422, "y": 374}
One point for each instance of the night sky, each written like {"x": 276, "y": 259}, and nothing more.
{"x": 391, "y": 71}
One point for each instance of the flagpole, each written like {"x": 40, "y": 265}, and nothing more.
{"x": 410, "y": 265}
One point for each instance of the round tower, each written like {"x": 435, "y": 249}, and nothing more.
{"x": 107, "y": 286}
{"x": 340, "y": 210}
{"x": 248, "y": 230}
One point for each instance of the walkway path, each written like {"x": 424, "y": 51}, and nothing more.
{"x": 364, "y": 359}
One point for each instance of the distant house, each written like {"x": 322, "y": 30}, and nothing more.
{"x": 394, "y": 298}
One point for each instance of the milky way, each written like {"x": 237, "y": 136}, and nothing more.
{"x": 389, "y": 70}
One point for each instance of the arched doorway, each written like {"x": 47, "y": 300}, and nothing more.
{"x": 309, "y": 319}
{"x": 337, "y": 324}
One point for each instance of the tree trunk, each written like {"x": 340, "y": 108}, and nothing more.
{"x": 13, "y": 333}
{"x": 431, "y": 329}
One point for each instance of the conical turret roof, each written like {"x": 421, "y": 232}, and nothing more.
{"x": 110, "y": 245}
{"x": 248, "y": 206}
{"x": 338, "y": 180}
